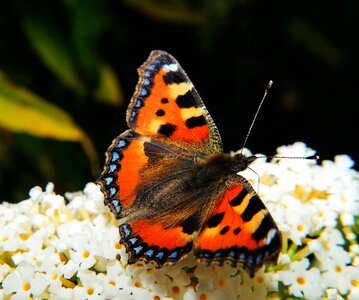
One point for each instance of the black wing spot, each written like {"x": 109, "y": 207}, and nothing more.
{"x": 173, "y": 77}
{"x": 215, "y": 220}
{"x": 236, "y": 231}
{"x": 164, "y": 100}
{"x": 263, "y": 229}
{"x": 224, "y": 230}
{"x": 166, "y": 129}
{"x": 160, "y": 113}
{"x": 254, "y": 206}
{"x": 239, "y": 198}
{"x": 196, "y": 122}
{"x": 190, "y": 225}
{"x": 186, "y": 101}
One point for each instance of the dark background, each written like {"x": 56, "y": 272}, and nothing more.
{"x": 229, "y": 49}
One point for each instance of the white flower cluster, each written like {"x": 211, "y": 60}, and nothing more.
{"x": 52, "y": 248}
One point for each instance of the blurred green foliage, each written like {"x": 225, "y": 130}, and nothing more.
{"x": 64, "y": 64}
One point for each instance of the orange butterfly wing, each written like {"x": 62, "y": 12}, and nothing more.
{"x": 126, "y": 189}
{"x": 166, "y": 105}
{"x": 240, "y": 231}
{"x": 151, "y": 242}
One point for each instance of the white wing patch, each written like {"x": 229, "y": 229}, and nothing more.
{"x": 270, "y": 235}
{"x": 171, "y": 67}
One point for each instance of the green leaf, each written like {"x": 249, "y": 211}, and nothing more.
{"x": 109, "y": 89}
{"x": 85, "y": 34}
{"x": 314, "y": 41}
{"x": 24, "y": 111}
{"x": 51, "y": 46}
{"x": 173, "y": 11}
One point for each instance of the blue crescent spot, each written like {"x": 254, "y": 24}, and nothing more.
{"x": 232, "y": 253}
{"x": 173, "y": 255}
{"x": 138, "y": 102}
{"x": 121, "y": 143}
{"x": 149, "y": 253}
{"x": 160, "y": 255}
{"x": 115, "y": 156}
{"x": 126, "y": 230}
{"x": 112, "y": 192}
{"x": 143, "y": 92}
{"x": 115, "y": 202}
{"x": 118, "y": 209}
{"x": 218, "y": 254}
{"x": 250, "y": 260}
{"x": 108, "y": 180}
{"x": 138, "y": 249}
{"x": 117, "y": 205}
{"x": 133, "y": 240}
{"x": 112, "y": 168}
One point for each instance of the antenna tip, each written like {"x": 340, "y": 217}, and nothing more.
{"x": 316, "y": 157}
{"x": 269, "y": 85}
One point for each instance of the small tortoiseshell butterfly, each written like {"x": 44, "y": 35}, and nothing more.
{"x": 171, "y": 186}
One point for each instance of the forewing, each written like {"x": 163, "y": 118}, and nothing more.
{"x": 166, "y": 105}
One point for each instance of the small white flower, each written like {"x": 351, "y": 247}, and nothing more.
{"x": 333, "y": 294}
{"x": 24, "y": 282}
{"x": 297, "y": 222}
{"x": 53, "y": 249}
{"x": 338, "y": 276}
{"x": 70, "y": 268}
{"x": 83, "y": 258}
{"x": 64, "y": 294}
{"x": 301, "y": 281}
{"x": 108, "y": 241}
{"x": 353, "y": 277}
{"x": 92, "y": 286}
{"x": 252, "y": 293}
{"x": 298, "y": 149}
{"x": 9, "y": 239}
{"x": 327, "y": 249}
{"x": 323, "y": 216}
{"x": 4, "y": 270}
{"x": 49, "y": 189}
{"x": 116, "y": 281}
{"x": 35, "y": 192}
{"x": 343, "y": 162}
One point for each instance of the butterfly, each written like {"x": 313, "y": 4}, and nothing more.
{"x": 171, "y": 186}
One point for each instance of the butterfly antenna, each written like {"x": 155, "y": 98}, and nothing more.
{"x": 316, "y": 157}
{"x": 269, "y": 85}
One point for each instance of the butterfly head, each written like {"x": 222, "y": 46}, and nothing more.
{"x": 241, "y": 162}
{"x": 217, "y": 167}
